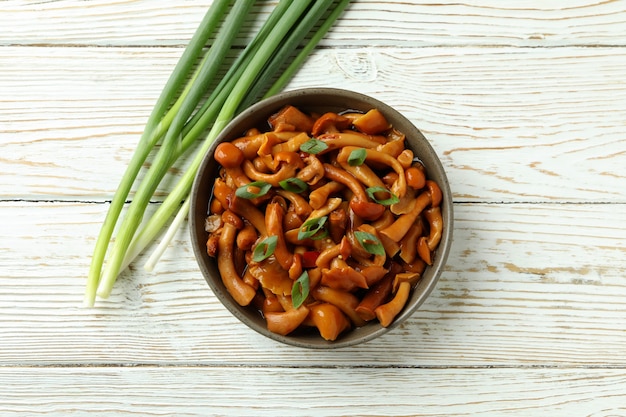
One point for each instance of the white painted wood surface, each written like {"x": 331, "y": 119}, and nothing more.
{"x": 525, "y": 102}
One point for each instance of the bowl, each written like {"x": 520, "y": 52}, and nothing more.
{"x": 319, "y": 100}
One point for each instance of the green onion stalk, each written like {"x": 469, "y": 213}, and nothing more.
{"x": 227, "y": 112}
{"x": 203, "y": 119}
{"x": 172, "y": 140}
{"x": 150, "y": 138}
{"x": 181, "y": 191}
{"x": 174, "y": 123}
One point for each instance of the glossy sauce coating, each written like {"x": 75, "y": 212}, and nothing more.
{"x": 335, "y": 218}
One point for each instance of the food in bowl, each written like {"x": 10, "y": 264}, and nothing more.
{"x": 325, "y": 221}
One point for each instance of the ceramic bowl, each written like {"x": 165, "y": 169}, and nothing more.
{"x": 318, "y": 100}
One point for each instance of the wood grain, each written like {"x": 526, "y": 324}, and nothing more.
{"x": 524, "y": 102}
{"x": 520, "y": 289}
{"x": 516, "y": 125}
{"x": 192, "y": 391}
{"x": 410, "y": 24}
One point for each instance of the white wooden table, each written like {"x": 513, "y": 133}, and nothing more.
{"x": 524, "y": 101}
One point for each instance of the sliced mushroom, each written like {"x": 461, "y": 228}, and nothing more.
{"x": 241, "y": 292}
{"x": 313, "y": 170}
{"x": 399, "y": 187}
{"x": 373, "y": 122}
{"x": 288, "y": 163}
{"x": 386, "y": 313}
{"x": 286, "y": 322}
{"x": 345, "y": 301}
{"x": 329, "y": 320}
{"x": 401, "y": 226}
{"x": 274, "y": 214}
{"x": 330, "y": 122}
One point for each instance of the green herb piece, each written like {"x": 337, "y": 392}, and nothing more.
{"x": 357, "y": 157}
{"x": 371, "y": 192}
{"x": 313, "y": 146}
{"x": 295, "y": 185}
{"x": 264, "y": 249}
{"x": 300, "y": 290}
{"x": 313, "y": 229}
{"x": 253, "y": 190}
{"x": 369, "y": 242}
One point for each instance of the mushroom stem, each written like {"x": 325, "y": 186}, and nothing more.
{"x": 372, "y": 155}
{"x": 239, "y": 290}
{"x": 387, "y": 312}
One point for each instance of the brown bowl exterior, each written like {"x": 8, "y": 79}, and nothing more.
{"x": 319, "y": 100}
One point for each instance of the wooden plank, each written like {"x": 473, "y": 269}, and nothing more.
{"x": 524, "y": 101}
{"x": 268, "y": 391}
{"x": 510, "y": 124}
{"x": 520, "y": 289}
{"x": 443, "y": 23}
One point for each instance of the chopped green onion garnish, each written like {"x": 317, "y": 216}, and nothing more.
{"x": 369, "y": 242}
{"x": 357, "y": 157}
{"x": 371, "y": 192}
{"x": 300, "y": 290}
{"x": 253, "y": 190}
{"x": 295, "y": 185}
{"x": 313, "y": 146}
{"x": 264, "y": 249}
{"x": 311, "y": 227}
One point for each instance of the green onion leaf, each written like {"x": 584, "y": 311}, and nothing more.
{"x": 300, "y": 290}
{"x": 187, "y": 108}
{"x": 371, "y": 192}
{"x": 357, "y": 157}
{"x": 313, "y": 229}
{"x": 253, "y": 190}
{"x": 295, "y": 185}
{"x": 264, "y": 249}
{"x": 370, "y": 243}
{"x": 313, "y": 146}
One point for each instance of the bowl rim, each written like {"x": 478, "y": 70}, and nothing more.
{"x": 275, "y": 102}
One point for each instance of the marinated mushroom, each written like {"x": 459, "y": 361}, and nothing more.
{"x": 239, "y": 290}
{"x": 323, "y": 221}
